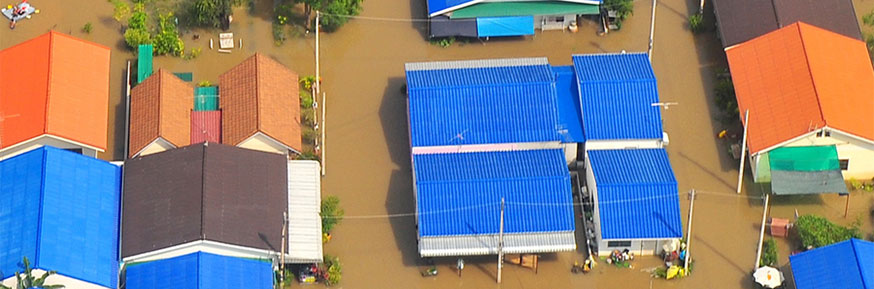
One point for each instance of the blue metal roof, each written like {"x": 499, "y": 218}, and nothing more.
{"x": 569, "y": 106}
{"x": 617, "y": 92}
{"x": 504, "y": 26}
{"x": 460, "y": 193}
{"x": 435, "y": 6}
{"x": 844, "y": 265}
{"x": 61, "y": 210}
{"x": 200, "y": 271}
{"x": 465, "y": 104}
{"x": 637, "y": 194}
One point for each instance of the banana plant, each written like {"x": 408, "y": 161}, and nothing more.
{"x": 26, "y": 280}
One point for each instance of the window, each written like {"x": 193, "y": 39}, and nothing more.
{"x": 828, "y": 133}
{"x": 845, "y": 164}
{"x": 614, "y": 244}
{"x": 819, "y": 134}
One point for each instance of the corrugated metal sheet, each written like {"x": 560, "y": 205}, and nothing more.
{"x": 74, "y": 201}
{"x": 304, "y": 206}
{"x": 617, "y": 92}
{"x": 435, "y": 6}
{"x": 527, "y": 8}
{"x": 845, "y": 265}
{"x": 487, "y": 244}
{"x": 144, "y": 62}
{"x": 442, "y": 26}
{"x": 496, "y": 104}
{"x": 200, "y": 271}
{"x": 505, "y": 26}
{"x": 637, "y": 194}
{"x": 807, "y": 182}
{"x": 206, "y": 126}
{"x": 568, "y": 105}
{"x": 460, "y": 193}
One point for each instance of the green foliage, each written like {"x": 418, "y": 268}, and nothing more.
{"x": 306, "y": 99}
{"x": 167, "y": 40}
{"x": 696, "y": 22}
{"x": 307, "y": 82}
{"x": 726, "y": 101}
{"x": 26, "y": 280}
{"x": 204, "y": 83}
{"x": 623, "y": 8}
{"x": 309, "y": 155}
{"x": 868, "y": 19}
{"x": 443, "y": 41}
{"x": 207, "y": 13}
{"x": 135, "y": 37}
{"x": 817, "y": 231}
{"x": 120, "y": 10}
{"x": 195, "y": 52}
{"x": 308, "y": 133}
{"x": 334, "y": 270}
{"x": 331, "y": 213}
{"x": 769, "y": 253}
{"x": 278, "y": 34}
{"x": 87, "y": 28}
{"x": 139, "y": 19}
{"x": 337, "y": 12}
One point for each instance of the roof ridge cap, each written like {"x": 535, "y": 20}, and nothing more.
{"x": 45, "y": 127}
{"x": 257, "y": 92}
{"x": 810, "y": 74}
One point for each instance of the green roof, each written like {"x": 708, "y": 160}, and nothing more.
{"x": 500, "y": 9}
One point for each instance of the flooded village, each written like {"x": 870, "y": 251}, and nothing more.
{"x": 391, "y": 94}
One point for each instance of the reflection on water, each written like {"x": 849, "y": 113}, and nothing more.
{"x": 369, "y": 163}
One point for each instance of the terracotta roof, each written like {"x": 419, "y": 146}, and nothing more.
{"x": 800, "y": 78}
{"x": 54, "y": 84}
{"x": 204, "y": 192}
{"x": 206, "y": 126}
{"x": 260, "y": 95}
{"x": 160, "y": 107}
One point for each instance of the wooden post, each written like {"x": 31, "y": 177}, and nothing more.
{"x": 282, "y": 251}
{"x": 847, "y": 206}
{"x": 689, "y": 229}
{"x": 501, "y": 243}
{"x": 651, "y": 30}
{"x": 762, "y": 232}
{"x": 318, "y": 76}
{"x": 743, "y": 151}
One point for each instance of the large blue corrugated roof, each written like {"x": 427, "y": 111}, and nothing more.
{"x": 464, "y": 104}
{"x": 460, "y": 193}
{"x": 637, "y": 194}
{"x": 617, "y": 92}
{"x": 60, "y": 209}
{"x": 844, "y": 265}
{"x": 200, "y": 271}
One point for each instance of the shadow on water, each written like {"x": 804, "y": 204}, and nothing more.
{"x": 419, "y": 11}
{"x": 399, "y": 199}
{"x": 120, "y": 117}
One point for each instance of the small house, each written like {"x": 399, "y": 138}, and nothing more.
{"x": 806, "y": 86}
{"x": 55, "y": 92}
{"x": 60, "y": 209}
{"x": 200, "y": 271}
{"x": 260, "y": 106}
{"x": 844, "y": 265}
{"x": 495, "y": 18}
{"x": 160, "y": 112}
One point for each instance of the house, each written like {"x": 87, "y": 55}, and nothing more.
{"x": 492, "y": 18}
{"x": 743, "y": 20}
{"x": 260, "y": 106}
{"x": 619, "y": 99}
{"x": 55, "y": 92}
{"x": 200, "y": 271}
{"x": 637, "y": 206}
{"x": 806, "y": 86}
{"x": 304, "y": 208}
{"x": 491, "y": 105}
{"x": 458, "y": 202}
{"x": 206, "y": 197}
{"x": 60, "y": 210}
{"x": 848, "y": 263}
{"x": 160, "y": 113}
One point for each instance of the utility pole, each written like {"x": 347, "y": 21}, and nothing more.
{"x": 323, "y": 127}
{"x": 318, "y": 76}
{"x": 701, "y": 8}
{"x": 651, "y": 30}
{"x": 762, "y": 232}
{"x": 743, "y": 151}
{"x": 689, "y": 228}
{"x": 282, "y": 251}
{"x": 501, "y": 243}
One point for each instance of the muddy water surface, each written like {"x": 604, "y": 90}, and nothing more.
{"x": 368, "y": 163}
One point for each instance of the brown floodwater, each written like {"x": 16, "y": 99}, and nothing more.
{"x": 367, "y": 153}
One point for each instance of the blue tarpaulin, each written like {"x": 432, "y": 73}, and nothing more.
{"x": 505, "y": 26}
{"x": 200, "y": 271}
{"x": 61, "y": 210}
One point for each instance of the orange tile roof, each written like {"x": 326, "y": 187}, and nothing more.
{"x": 160, "y": 107}
{"x": 260, "y": 95}
{"x": 54, "y": 84}
{"x": 800, "y": 78}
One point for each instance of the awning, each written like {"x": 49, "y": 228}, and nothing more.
{"x": 505, "y": 26}
{"x": 500, "y": 9}
{"x": 806, "y": 170}
{"x": 304, "y": 205}
{"x": 442, "y": 26}
{"x": 487, "y": 244}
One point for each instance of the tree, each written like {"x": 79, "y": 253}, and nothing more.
{"x": 137, "y": 31}
{"x": 120, "y": 10}
{"x": 167, "y": 40}
{"x": 338, "y": 12}
{"x": 26, "y": 280}
{"x": 331, "y": 213}
{"x": 208, "y": 13}
{"x": 816, "y": 231}
{"x": 623, "y": 8}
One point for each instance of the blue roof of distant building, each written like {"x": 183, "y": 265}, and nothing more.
{"x": 569, "y": 107}
{"x": 637, "y": 194}
{"x": 61, "y": 210}
{"x": 200, "y": 271}
{"x": 460, "y": 193}
{"x": 617, "y": 92}
{"x": 844, "y": 265}
{"x": 482, "y": 102}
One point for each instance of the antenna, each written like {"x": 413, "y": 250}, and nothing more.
{"x": 666, "y": 105}
{"x": 459, "y": 136}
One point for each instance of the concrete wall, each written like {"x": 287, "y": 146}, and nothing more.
{"x": 638, "y": 247}
{"x": 57, "y": 279}
{"x": 44, "y": 140}
{"x": 539, "y": 22}
{"x": 261, "y": 142}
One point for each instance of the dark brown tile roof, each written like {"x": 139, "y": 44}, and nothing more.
{"x": 160, "y": 107}
{"x": 260, "y": 95}
{"x": 204, "y": 192}
{"x": 742, "y": 20}
{"x": 206, "y": 126}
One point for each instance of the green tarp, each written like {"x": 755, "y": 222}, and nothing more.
{"x": 763, "y": 169}
{"x": 144, "y": 62}
{"x": 804, "y": 170}
{"x": 810, "y": 158}
{"x": 206, "y": 98}
{"x": 185, "y": 76}
{"x": 501, "y": 9}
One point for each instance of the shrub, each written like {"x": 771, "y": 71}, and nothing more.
{"x": 307, "y": 82}
{"x": 334, "y": 270}
{"x": 167, "y": 40}
{"x": 135, "y": 37}
{"x": 207, "y": 13}
{"x": 726, "y": 100}
{"x": 817, "y": 231}
{"x": 868, "y": 19}
{"x": 278, "y": 34}
{"x": 120, "y": 10}
{"x": 337, "y": 13}
{"x": 623, "y": 8}
{"x": 87, "y": 28}
{"x": 195, "y": 52}
{"x": 204, "y": 83}
{"x": 769, "y": 253}
{"x": 306, "y": 99}
{"x": 331, "y": 213}
{"x": 695, "y": 22}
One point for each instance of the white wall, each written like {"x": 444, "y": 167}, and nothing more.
{"x": 638, "y": 246}
{"x": 624, "y": 144}
{"x": 203, "y": 246}
{"x": 44, "y": 140}
{"x": 158, "y": 145}
{"x": 261, "y": 142}
{"x": 57, "y": 279}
